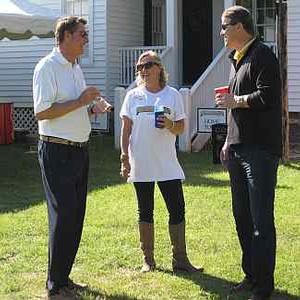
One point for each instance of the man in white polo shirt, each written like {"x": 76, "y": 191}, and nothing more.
{"x": 61, "y": 102}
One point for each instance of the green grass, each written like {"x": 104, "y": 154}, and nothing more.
{"x": 109, "y": 257}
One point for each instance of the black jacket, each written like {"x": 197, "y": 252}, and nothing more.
{"x": 258, "y": 76}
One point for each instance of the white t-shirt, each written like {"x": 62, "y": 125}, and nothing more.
{"x": 55, "y": 79}
{"x": 152, "y": 152}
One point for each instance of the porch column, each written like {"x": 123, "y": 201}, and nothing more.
{"x": 172, "y": 39}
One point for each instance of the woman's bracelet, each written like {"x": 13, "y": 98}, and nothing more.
{"x": 124, "y": 157}
{"x": 173, "y": 125}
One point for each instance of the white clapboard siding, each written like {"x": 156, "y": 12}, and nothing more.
{"x": 18, "y": 58}
{"x": 293, "y": 40}
{"x": 125, "y": 28}
{"x": 17, "y": 61}
{"x": 95, "y": 70}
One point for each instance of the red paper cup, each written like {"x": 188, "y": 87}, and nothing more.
{"x": 222, "y": 90}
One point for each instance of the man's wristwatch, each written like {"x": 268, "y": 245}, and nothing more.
{"x": 241, "y": 101}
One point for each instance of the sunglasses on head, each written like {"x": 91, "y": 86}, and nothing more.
{"x": 225, "y": 26}
{"x": 146, "y": 65}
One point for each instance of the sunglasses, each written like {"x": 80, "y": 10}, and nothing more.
{"x": 148, "y": 65}
{"x": 225, "y": 26}
{"x": 84, "y": 34}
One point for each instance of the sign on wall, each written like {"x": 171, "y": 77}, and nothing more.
{"x": 206, "y": 117}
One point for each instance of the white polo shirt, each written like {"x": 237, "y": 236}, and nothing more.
{"x": 55, "y": 79}
{"x": 152, "y": 152}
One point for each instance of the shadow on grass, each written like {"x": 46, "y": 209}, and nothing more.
{"x": 91, "y": 294}
{"x": 20, "y": 179}
{"x": 293, "y": 166}
{"x": 221, "y": 287}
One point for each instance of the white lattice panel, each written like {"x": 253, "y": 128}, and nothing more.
{"x": 24, "y": 118}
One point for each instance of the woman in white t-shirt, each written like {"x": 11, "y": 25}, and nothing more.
{"x": 152, "y": 115}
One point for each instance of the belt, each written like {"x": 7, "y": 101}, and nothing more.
{"x": 56, "y": 140}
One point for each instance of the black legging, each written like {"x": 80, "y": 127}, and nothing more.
{"x": 172, "y": 193}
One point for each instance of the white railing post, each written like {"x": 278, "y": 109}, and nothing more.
{"x": 185, "y": 138}
{"x": 120, "y": 93}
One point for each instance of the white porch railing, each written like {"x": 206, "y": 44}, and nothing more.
{"x": 128, "y": 58}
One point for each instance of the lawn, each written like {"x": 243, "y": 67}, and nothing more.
{"x": 109, "y": 257}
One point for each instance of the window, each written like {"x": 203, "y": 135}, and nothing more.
{"x": 82, "y": 8}
{"x": 264, "y": 16}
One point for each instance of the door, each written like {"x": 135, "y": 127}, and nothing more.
{"x": 197, "y": 38}
{"x": 155, "y": 22}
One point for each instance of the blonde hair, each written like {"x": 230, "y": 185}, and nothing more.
{"x": 163, "y": 76}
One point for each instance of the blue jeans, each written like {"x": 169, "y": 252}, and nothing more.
{"x": 253, "y": 176}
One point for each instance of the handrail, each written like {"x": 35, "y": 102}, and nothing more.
{"x": 208, "y": 70}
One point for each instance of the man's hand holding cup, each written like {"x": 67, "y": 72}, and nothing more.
{"x": 88, "y": 95}
{"x": 101, "y": 106}
{"x": 223, "y": 99}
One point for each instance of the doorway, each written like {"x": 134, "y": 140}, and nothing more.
{"x": 155, "y": 22}
{"x": 196, "y": 38}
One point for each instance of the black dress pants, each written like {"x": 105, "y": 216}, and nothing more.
{"x": 64, "y": 172}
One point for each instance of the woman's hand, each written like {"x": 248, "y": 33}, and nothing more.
{"x": 124, "y": 158}
{"x": 164, "y": 122}
{"x": 125, "y": 168}
{"x": 175, "y": 127}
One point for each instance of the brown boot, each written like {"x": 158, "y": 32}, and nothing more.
{"x": 180, "y": 261}
{"x": 147, "y": 245}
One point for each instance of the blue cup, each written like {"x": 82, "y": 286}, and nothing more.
{"x": 158, "y": 111}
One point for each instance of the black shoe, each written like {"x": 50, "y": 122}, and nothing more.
{"x": 245, "y": 285}
{"x": 63, "y": 293}
{"x": 258, "y": 297}
{"x": 76, "y": 286}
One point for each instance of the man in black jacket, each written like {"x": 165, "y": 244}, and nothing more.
{"x": 253, "y": 147}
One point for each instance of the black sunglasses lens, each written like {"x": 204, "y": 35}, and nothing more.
{"x": 225, "y": 26}
{"x": 148, "y": 65}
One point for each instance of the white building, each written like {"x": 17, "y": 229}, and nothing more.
{"x": 186, "y": 33}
